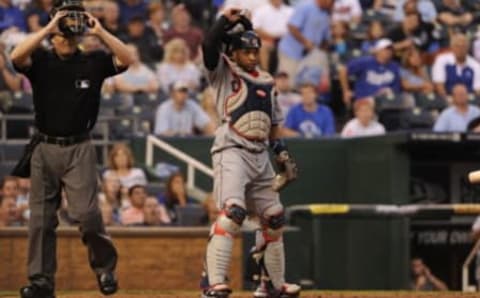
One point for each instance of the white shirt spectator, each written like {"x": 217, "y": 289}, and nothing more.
{"x": 251, "y": 5}
{"x": 272, "y": 20}
{"x": 470, "y": 71}
{"x": 354, "y": 128}
{"x": 180, "y": 122}
{"x": 141, "y": 76}
{"x": 136, "y": 176}
{"x": 451, "y": 120}
{"x": 346, "y": 10}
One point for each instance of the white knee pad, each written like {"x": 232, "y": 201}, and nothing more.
{"x": 219, "y": 249}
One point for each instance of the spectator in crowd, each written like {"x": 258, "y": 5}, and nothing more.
{"x": 37, "y": 14}
{"x": 415, "y": 78}
{"x": 108, "y": 216}
{"x": 456, "y": 117}
{"x": 386, "y": 7}
{"x": 423, "y": 279}
{"x": 286, "y": 97}
{"x": 308, "y": 29}
{"x": 134, "y": 214}
{"x": 376, "y": 74}
{"x": 12, "y": 17}
{"x": 144, "y": 39}
{"x": 452, "y": 14}
{"x": 111, "y": 198}
{"x": 207, "y": 102}
{"x": 111, "y": 17}
{"x": 155, "y": 214}
{"x": 138, "y": 78}
{"x": 180, "y": 116}
{"x": 426, "y": 8}
{"x": 9, "y": 188}
{"x": 411, "y": 33}
{"x": 309, "y": 119}
{"x": 10, "y": 81}
{"x": 340, "y": 43}
{"x": 364, "y": 123}
{"x": 182, "y": 28}
{"x": 9, "y": 213}
{"x": 349, "y": 11}
{"x": 456, "y": 67}
{"x": 121, "y": 166}
{"x": 132, "y": 8}
{"x": 175, "y": 195}
{"x": 156, "y": 19}
{"x": 270, "y": 22}
{"x": 375, "y": 32}
{"x": 177, "y": 66}
{"x": 24, "y": 186}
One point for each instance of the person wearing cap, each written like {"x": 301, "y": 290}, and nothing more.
{"x": 455, "y": 67}
{"x": 309, "y": 118}
{"x": 66, "y": 83}
{"x": 374, "y": 74}
{"x": 181, "y": 116}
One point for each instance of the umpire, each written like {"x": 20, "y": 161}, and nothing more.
{"x": 66, "y": 92}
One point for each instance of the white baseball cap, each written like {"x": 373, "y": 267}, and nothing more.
{"x": 382, "y": 44}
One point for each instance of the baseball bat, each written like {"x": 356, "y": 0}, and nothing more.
{"x": 474, "y": 177}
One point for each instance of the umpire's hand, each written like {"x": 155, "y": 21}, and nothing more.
{"x": 52, "y": 26}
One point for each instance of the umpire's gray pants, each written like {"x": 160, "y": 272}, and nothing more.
{"x": 73, "y": 168}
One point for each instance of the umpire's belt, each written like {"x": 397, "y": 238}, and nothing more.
{"x": 62, "y": 141}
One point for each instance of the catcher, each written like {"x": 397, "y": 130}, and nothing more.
{"x": 244, "y": 180}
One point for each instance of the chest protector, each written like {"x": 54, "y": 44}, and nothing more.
{"x": 249, "y": 109}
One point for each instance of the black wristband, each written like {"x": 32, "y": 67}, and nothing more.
{"x": 278, "y": 146}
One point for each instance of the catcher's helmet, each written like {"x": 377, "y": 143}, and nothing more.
{"x": 245, "y": 40}
{"x": 75, "y": 22}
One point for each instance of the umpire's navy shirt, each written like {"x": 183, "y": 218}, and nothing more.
{"x": 66, "y": 91}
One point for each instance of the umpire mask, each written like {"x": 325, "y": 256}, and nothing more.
{"x": 75, "y": 22}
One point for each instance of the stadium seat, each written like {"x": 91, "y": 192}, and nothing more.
{"x": 145, "y": 100}
{"x": 419, "y": 119}
{"x": 23, "y": 100}
{"x": 9, "y": 152}
{"x": 430, "y": 101}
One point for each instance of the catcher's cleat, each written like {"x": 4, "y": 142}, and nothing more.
{"x": 217, "y": 291}
{"x": 265, "y": 290}
{"x": 34, "y": 291}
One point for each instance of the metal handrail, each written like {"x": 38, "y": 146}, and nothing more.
{"x": 192, "y": 163}
{"x": 466, "y": 287}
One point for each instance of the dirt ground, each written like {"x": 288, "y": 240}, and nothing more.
{"x": 316, "y": 294}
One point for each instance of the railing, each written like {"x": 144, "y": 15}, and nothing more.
{"x": 466, "y": 287}
{"x": 370, "y": 210}
{"x": 102, "y": 126}
{"x": 192, "y": 163}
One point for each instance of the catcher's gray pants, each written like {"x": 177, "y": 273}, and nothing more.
{"x": 72, "y": 168}
{"x": 245, "y": 179}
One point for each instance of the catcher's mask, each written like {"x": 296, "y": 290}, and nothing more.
{"x": 75, "y": 22}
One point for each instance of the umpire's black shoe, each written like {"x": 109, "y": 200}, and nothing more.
{"x": 107, "y": 282}
{"x": 34, "y": 291}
